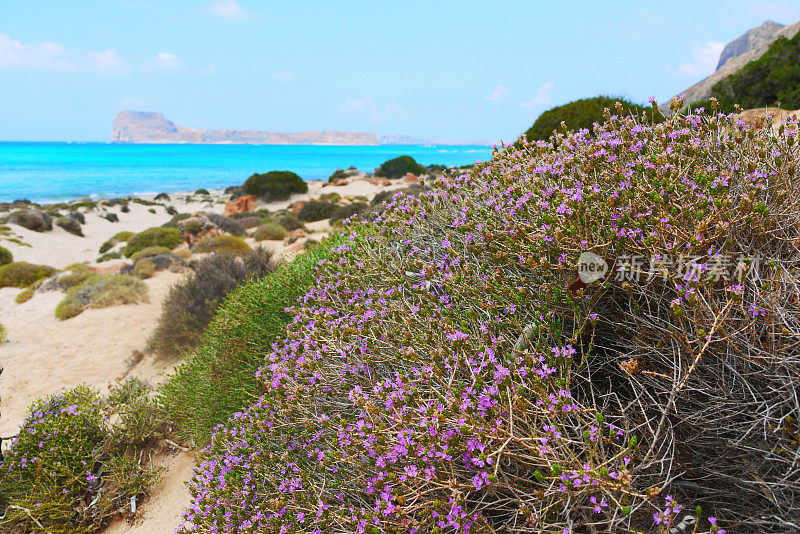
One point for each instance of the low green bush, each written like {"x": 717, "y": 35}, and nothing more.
{"x": 289, "y": 221}
{"x": 202, "y": 191}
{"x": 107, "y": 245}
{"x": 23, "y": 274}
{"x": 344, "y": 212}
{"x": 159, "y": 236}
{"x": 191, "y": 304}
{"x": 109, "y": 256}
{"x": 342, "y": 174}
{"x": 399, "y": 167}
{"x": 149, "y": 251}
{"x": 3, "y": 335}
{"x": 5, "y": 256}
{"x": 584, "y": 113}
{"x": 162, "y": 196}
{"x": 69, "y": 471}
{"x": 275, "y": 185}
{"x": 32, "y": 220}
{"x": 220, "y": 379}
{"x": 144, "y": 268}
{"x": 270, "y": 232}
{"x": 222, "y": 244}
{"x": 70, "y": 224}
{"x": 24, "y": 296}
{"x": 70, "y": 277}
{"x": 101, "y": 291}
{"x": 316, "y": 210}
{"x": 331, "y": 197}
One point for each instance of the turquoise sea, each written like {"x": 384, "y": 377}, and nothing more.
{"x": 52, "y": 172}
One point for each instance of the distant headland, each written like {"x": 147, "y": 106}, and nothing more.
{"x": 144, "y": 127}
{"x": 150, "y": 127}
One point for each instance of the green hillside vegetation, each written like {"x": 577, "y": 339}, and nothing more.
{"x": 771, "y": 80}
{"x": 584, "y": 113}
{"x": 220, "y": 378}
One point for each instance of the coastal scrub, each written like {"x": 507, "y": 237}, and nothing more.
{"x": 191, "y": 304}
{"x": 22, "y": 274}
{"x": 450, "y": 370}
{"x": 101, "y": 291}
{"x": 159, "y": 236}
{"x": 68, "y": 470}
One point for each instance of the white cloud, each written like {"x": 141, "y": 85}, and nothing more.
{"x": 227, "y": 9}
{"x": 108, "y": 61}
{"x": 366, "y": 106}
{"x": 498, "y": 93}
{"x": 54, "y": 57}
{"x": 542, "y": 96}
{"x": 281, "y": 76}
{"x": 164, "y": 61}
{"x": 704, "y": 59}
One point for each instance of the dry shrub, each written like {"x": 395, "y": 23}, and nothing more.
{"x": 270, "y": 231}
{"x": 101, "y": 291}
{"x": 191, "y": 304}
{"x": 23, "y": 274}
{"x": 449, "y": 373}
{"x": 222, "y": 244}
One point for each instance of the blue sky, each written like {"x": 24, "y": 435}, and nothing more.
{"x": 457, "y": 69}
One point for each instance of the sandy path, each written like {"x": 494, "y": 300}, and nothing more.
{"x": 162, "y": 511}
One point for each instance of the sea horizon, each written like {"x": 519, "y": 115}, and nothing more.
{"x": 59, "y": 171}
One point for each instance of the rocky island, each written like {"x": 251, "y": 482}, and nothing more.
{"x": 146, "y": 127}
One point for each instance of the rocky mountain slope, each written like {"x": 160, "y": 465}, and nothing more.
{"x": 142, "y": 127}
{"x": 751, "y": 39}
{"x": 739, "y": 53}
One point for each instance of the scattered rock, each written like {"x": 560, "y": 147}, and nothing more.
{"x": 196, "y": 228}
{"x": 298, "y": 233}
{"x": 243, "y": 204}
{"x": 297, "y": 206}
{"x": 110, "y": 217}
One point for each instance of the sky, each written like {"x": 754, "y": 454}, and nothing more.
{"x": 468, "y": 70}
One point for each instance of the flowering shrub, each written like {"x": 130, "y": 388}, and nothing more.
{"x": 451, "y": 372}
{"x": 67, "y": 471}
